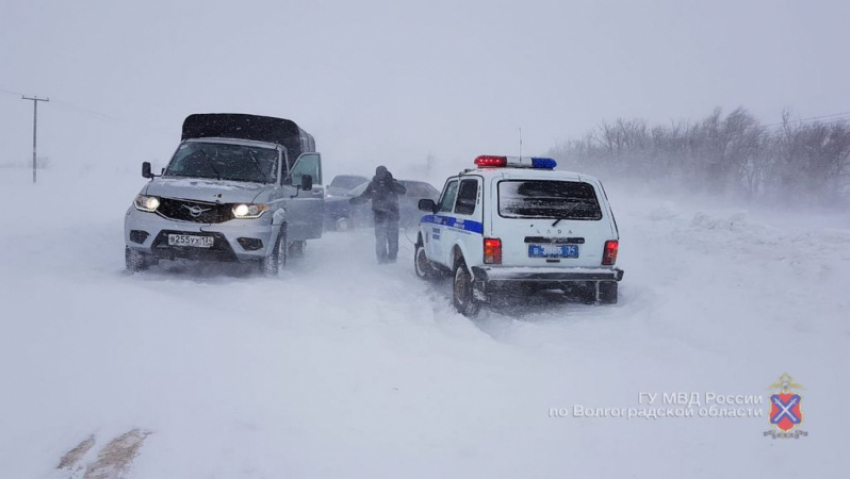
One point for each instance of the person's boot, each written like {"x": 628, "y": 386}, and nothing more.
{"x": 382, "y": 257}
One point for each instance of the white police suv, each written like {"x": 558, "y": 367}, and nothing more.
{"x": 518, "y": 225}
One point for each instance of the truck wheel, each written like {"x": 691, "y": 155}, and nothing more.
{"x": 463, "y": 296}
{"x": 342, "y": 224}
{"x": 608, "y": 292}
{"x": 271, "y": 264}
{"x": 135, "y": 261}
{"x": 422, "y": 265}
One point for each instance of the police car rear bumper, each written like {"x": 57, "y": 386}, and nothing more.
{"x": 490, "y": 274}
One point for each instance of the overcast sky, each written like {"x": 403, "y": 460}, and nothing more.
{"x": 392, "y": 81}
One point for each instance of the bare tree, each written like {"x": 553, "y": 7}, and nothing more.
{"x": 732, "y": 153}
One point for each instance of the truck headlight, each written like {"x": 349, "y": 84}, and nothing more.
{"x": 245, "y": 211}
{"x": 148, "y": 204}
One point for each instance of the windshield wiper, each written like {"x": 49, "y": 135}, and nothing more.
{"x": 210, "y": 164}
{"x": 259, "y": 168}
{"x": 565, "y": 217}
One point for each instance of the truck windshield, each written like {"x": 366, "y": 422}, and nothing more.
{"x": 221, "y": 161}
{"x": 568, "y": 200}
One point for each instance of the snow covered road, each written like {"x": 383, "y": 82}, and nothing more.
{"x": 343, "y": 368}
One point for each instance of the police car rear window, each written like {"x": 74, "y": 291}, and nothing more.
{"x": 569, "y": 200}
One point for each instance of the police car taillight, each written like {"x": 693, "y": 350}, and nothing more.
{"x": 490, "y": 161}
{"x": 492, "y": 251}
{"x": 609, "y": 256}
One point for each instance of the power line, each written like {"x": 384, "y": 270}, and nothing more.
{"x": 847, "y": 113}
{"x": 105, "y": 116}
{"x": 10, "y": 92}
{"x": 832, "y": 116}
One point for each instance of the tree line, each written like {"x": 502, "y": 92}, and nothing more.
{"x": 791, "y": 161}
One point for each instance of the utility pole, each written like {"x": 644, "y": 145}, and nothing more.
{"x": 34, "y": 101}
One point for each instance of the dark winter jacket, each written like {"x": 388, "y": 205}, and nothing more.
{"x": 383, "y": 190}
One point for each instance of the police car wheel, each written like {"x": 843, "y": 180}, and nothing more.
{"x": 424, "y": 269}
{"x": 463, "y": 296}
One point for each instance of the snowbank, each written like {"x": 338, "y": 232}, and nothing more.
{"x": 343, "y": 368}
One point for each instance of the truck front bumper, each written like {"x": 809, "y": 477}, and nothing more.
{"x": 235, "y": 240}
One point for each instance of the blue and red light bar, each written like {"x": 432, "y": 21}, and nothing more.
{"x": 490, "y": 161}
{"x": 545, "y": 163}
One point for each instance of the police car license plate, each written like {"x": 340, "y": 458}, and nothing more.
{"x": 552, "y": 251}
{"x": 191, "y": 240}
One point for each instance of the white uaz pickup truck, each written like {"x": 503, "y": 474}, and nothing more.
{"x": 239, "y": 188}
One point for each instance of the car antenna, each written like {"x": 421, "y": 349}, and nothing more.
{"x": 520, "y": 144}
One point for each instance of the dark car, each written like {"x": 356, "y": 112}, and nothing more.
{"x": 340, "y": 215}
{"x": 408, "y": 205}
{"x": 342, "y": 184}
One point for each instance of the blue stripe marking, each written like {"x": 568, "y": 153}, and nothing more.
{"x": 454, "y": 223}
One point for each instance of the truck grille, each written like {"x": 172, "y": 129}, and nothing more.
{"x": 195, "y": 211}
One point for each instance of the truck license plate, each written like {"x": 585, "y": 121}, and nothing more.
{"x": 191, "y": 240}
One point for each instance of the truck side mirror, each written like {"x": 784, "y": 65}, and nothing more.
{"x": 427, "y": 205}
{"x": 307, "y": 183}
{"x": 146, "y": 170}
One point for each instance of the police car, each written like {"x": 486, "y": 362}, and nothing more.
{"x": 518, "y": 225}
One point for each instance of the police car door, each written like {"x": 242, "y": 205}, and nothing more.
{"x": 466, "y": 228}
{"x": 437, "y": 246}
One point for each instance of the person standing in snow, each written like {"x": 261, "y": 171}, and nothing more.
{"x": 383, "y": 190}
